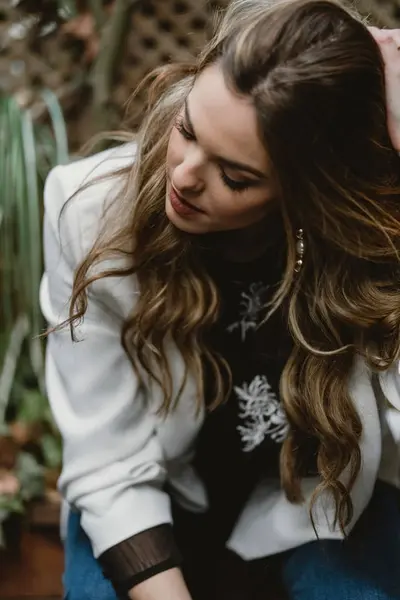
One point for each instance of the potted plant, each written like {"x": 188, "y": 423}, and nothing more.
{"x": 30, "y": 448}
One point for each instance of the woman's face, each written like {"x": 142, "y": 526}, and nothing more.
{"x": 217, "y": 167}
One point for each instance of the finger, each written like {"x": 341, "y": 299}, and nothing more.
{"x": 390, "y": 48}
{"x": 384, "y": 35}
{"x": 377, "y": 33}
{"x": 380, "y": 34}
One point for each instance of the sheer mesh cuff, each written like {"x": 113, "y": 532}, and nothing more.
{"x": 140, "y": 557}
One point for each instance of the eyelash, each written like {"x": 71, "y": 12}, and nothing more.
{"x": 235, "y": 186}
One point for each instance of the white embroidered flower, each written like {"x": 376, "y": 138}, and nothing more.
{"x": 250, "y": 307}
{"x": 261, "y": 413}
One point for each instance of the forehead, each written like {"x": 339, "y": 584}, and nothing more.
{"x": 224, "y": 122}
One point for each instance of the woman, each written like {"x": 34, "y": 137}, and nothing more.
{"x": 246, "y": 250}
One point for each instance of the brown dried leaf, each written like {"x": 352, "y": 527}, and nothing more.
{"x": 9, "y": 484}
{"x": 53, "y": 496}
{"x": 51, "y": 478}
{"x": 25, "y": 433}
{"x": 8, "y": 452}
{"x": 83, "y": 27}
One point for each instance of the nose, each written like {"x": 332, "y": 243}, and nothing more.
{"x": 187, "y": 177}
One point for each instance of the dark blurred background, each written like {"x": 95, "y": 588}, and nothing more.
{"x": 67, "y": 70}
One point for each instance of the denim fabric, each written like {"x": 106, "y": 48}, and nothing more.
{"x": 83, "y": 576}
{"x": 365, "y": 567}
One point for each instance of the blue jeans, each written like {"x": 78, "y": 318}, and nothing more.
{"x": 365, "y": 567}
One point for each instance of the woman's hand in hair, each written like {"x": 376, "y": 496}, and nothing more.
{"x": 388, "y": 41}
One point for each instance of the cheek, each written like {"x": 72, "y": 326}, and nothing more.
{"x": 174, "y": 150}
{"x": 246, "y": 208}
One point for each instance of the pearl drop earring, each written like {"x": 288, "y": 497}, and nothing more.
{"x": 300, "y": 249}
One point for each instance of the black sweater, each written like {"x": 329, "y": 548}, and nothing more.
{"x": 240, "y": 441}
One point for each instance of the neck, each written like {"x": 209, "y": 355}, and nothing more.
{"x": 246, "y": 245}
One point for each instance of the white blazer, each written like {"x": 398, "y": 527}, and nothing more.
{"x": 117, "y": 452}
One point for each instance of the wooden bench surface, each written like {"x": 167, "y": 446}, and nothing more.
{"x": 33, "y": 571}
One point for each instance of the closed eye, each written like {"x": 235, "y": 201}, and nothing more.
{"x": 180, "y": 125}
{"x": 233, "y": 184}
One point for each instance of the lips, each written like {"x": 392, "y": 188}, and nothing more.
{"x": 185, "y": 202}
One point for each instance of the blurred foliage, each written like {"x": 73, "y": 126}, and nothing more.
{"x": 33, "y": 139}
{"x": 29, "y": 442}
{"x": 70, "y": 46}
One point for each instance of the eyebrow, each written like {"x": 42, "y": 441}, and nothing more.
{"x": 232, "y": 164}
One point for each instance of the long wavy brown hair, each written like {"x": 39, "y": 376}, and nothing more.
{"x": 316, "y": 79}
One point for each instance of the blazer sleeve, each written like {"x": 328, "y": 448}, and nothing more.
{"x": 390, "y": 384}
{"x": 113, "y": 469}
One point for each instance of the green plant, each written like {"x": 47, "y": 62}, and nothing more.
{"x": 28, "y": 150}
{"x": 31, "y": 142}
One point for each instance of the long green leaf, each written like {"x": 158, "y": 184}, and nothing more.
{"x": 46, "y": 152}
{"x": 59, "y": 126}
{"x": 35, "y": 246}
{"x": 6, "y": 242}
{"x": 8, "y": 129}
{"x": 10, "y": 362}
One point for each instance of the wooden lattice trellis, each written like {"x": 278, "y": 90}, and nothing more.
{"x": 162, "y": 31}
{"x": 36, "y": 55}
